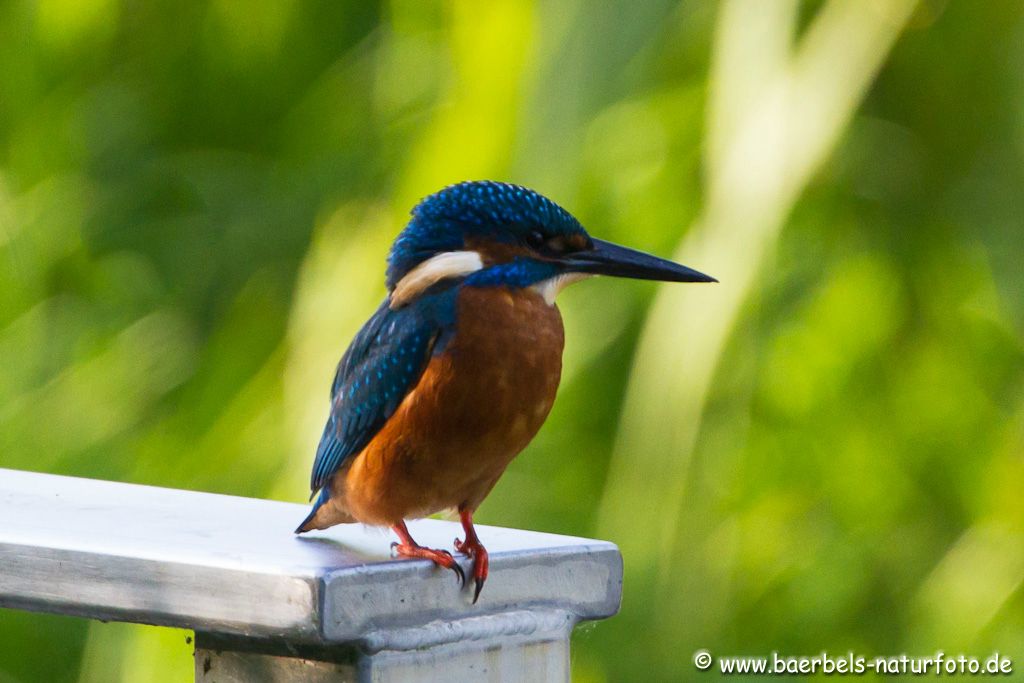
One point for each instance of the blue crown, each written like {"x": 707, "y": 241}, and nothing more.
{"x": 498, "y": 211}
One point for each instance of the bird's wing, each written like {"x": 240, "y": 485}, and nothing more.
{"x": 384, "y": 362}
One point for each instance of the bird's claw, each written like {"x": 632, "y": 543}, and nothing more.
{"x": 459, "y": 574}
{"x": 478, "y": 584}
{"x": 477, "y": 551}
{"x": 442, "y": 558}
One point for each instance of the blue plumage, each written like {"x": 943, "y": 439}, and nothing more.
{"x": 520, "y": 272}
{"x": 384, "y": 361}
{"x": 501, "y": 212}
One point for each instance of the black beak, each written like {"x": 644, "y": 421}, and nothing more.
{"x": 607, "y": 258}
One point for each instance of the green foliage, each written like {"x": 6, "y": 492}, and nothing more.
{"x": 195, "y": 204}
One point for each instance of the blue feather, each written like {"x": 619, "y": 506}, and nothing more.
{"x": 519, "y": 272}
{"x": 384, "y": 362}
{"x": 498, "y": 211}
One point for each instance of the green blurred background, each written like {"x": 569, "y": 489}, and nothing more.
{"x": 824, "y": 451}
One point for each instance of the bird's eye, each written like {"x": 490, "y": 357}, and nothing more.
{"x": 535, "y": 239}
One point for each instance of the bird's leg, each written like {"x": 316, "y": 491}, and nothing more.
{"x": 410, "y": 548}
{"x": 475, "y": 549}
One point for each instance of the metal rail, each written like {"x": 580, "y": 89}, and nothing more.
{"x": 269, "y": 606}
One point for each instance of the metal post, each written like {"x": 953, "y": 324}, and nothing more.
{"x": 268, "y": 606}
{"x": 523, "y": 646}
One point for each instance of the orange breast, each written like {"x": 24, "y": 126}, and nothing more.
{"x": 476, "y": 407}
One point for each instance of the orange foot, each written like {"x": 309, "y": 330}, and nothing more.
{"x": 410, "y": 548}
{"x": 475, "y": 549}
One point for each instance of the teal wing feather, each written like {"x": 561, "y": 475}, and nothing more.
{"x": 384, "y": 362}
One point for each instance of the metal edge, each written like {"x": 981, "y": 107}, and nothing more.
{"x": 110, "y": 588}
{"x": 584, "y": 581}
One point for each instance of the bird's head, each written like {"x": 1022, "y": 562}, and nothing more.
{"x": 495, "y": 233}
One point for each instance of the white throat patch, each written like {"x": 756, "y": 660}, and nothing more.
{"x": 434, "y": 269}
{"x": 550, "y": 288}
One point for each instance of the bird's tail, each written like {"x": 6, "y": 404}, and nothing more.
{"x": 308, "y": 523}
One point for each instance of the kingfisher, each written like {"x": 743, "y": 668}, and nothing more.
{"x": 458, "y": 368}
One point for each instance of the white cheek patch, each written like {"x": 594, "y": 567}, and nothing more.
{"x": 550, "y": 288}
{"x": 433, "y": 270}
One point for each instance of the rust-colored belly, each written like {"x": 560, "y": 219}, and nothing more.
{"x": 476, "y": 407}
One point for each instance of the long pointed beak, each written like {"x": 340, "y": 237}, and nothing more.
{"x": 607, "y": 258}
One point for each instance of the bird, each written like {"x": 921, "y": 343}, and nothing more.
{"x": 458, "y": 368}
